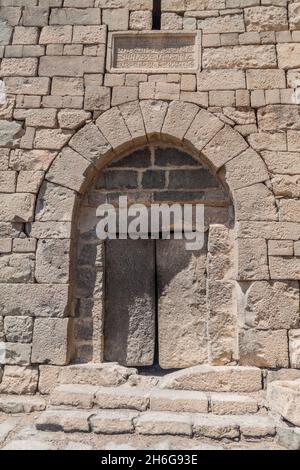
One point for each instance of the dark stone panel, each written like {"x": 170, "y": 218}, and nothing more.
{"x": 192, "y": 179}
{"x": 139, "y": 159}
{"x": 154, "y": 179}
{"x": 173, "y": 157}
{"x": 117, "y": 179}
{"x": 129, "y": 324}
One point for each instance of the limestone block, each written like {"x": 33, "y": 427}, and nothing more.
{"x": 7, "y": 181}
{"x": 97, "y": 98}
{"x": 272, "y": 305}
{"x": 204, "y": 127}
{"x": 75, "y": 16}
{"x": 56, "y": 35}
{"x": 252, "y": 259}
{"x": 221, "y": 325}
{"x": 282, "y": 374}
{"x": 27, "y": 85}
{"x": 240, "y": 57}
{"x": 140, "y": 20}
{"x": 284, "y": 398}
{"x": 124, "y": 94}
{"x": 19, "y": 380}
{"x": 266, "y": 18}
{"x": 154, "y": 113}
{"x": 129, "y": 398}
{"x": 222, "y": 24}
{"x": 178, "y": 401}
{"x": 181, "y": 280}
{"x": 245, "y": 170}
{"x": 89, "y": 35}
{"x": 113, "y": 422}
{"x": 167, "y": 91}
{"x": 15, "y": 354}
{"x": 48, "y": 378}
{"x": 158, "y": 422}
{"x": 215, "y": 378}
{"x": 90, "y": 143}
{"x": 80, "y": 396}
{"x": 73, "y": 66}
{"x": 294, "y": 15}
{"x": 265, "y": 79}
{"x": 282, "y": 162}
{"x": 64, "y": 420}
{"x": 284, "y": 267}
{"x": 72, "y": 119}
{"x": 10, "y": 404}
{"x": 37, "y": 300}
{"x": 288, "y": 55}
{"x": 104, "y": 374}
{"x": 69, "y": 169}
{"x": 16, "y": 268}
{"x": 265, "y": 141}
{"x": 26, "y": 67}
{"x": 232, "y": 404}
{"x": 116, "y": 20}
{"x": 31, "y": 160}
{"x": 179, "y": 117}
{"x": 52, "y": 261}
{"x": 5, "y": 33}
{"x": 272, "y": 230}
{"x": 51, "y": 139}
{"x": 171, "y": 21}
{"x": 132, "y": 115}
{"x": 264, "y": 348}
{"x": 113, "y": 127}
{"x": 51, "y": 341}
{"x": 286, "y": 185}
{"x": 224, "y": 146}
{"x": 281, "y": 248}
{"x": 255, "y": 202}
{"x": 9, "y": 133}
{"x": 54, "y": 203}
{"x": 221, "y": 80}
{"x": 288, "y": 436}
{"x": 41, "y": 118}
{"x": 294, "y": 348}
{"x": 289, "y": 210}
{"x": 277, "y": 117}
{"x": 216, "y": 427}
{"x": 35, "y": 16}
{"x": 63, "y": 86}
{"x": 18, "y": 329}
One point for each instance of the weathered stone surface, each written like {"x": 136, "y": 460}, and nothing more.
{"x": 113, "y": 422}
{"x": 37, "y": 300}
{"x": 72, "y": 119}
{"x": 278, "y": 117}
{"x": 17, "y": 268}
{"x": 80, "y": 396}
{"x": 284, "y": 398}
{"x": 272, "y": 305}
{"x": 232, "y": 404}
{"x": 224, "y": 146}
{"x": 6, "y": 427}
{"x": 19, "y": 380}
{"x": 69, "y": 169}
{"x": 204, "y": 127}
{"x": 21, "y": 404}
{"x": 130, "y": 311}
{"x": 5, "y": 33}
{"x": 215, "y": 427}
{"x": 222, "y": 24}
{"x": 9, "y": 133}
{"x": 284, "y": 267}
{"x": 264, "y": 348}
{"x": 288, "y": 436}
{"x": 67, "y": 421}
{"x": 12, "y": 67}
{"x": 70, "y": 66}
{"x": 51, "y": 341}
{"x": 52, "y": 261}
{"x": 266, "y": 18}
{"x": 154, "y": 113}
{"x": 182, "y": 291}
{"x": 90, "y": 143}
{"x": 221, "y": 80}
{"x": 255, "y": 202}
{"x": 18, "y": 329}
{"x": 239, "y": 57}
{"x": 245, "y": 170}
{"x": 216, "y": 378}
{"x": 288, "y": 55}
{"x": 106, "y": 374}
{"x": 155, "y": 423}
{"x": 282, "y": 162}
{"x": 252, "y": 259}
{"x": 179, "y": 117}
{"x": 178, "y": 401}
{"x": 122, "y": 397}
{"x": 15, "y": 353}
{"x": 294, "y": 348}
{"x": 132, "y": 115}
{"x": 48, "y": 378}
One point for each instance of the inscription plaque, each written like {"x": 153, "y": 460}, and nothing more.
{"x": 154, "y": 51}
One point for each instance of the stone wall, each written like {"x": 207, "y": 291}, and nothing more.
{"x": 63, "y": 117}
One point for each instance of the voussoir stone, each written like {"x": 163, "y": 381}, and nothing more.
{"x": 179, "y": 117}
{"x": 216, "y": 378}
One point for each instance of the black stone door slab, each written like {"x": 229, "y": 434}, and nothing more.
{"x": 130, "y": 315}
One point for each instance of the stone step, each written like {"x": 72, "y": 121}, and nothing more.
{"x": 158, "y": 423}
{"x": 21, "y": 404}
{"x": 140, "y": 399}
{"x": 104, "y": 374}
{"x": 215, "y": 379}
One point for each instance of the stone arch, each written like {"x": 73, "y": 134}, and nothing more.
{"x": 124, "y": 128}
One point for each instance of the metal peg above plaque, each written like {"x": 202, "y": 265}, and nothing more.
{"x": 154, "y": 51}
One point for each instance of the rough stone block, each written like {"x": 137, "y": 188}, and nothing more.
{"x": 224, "y": 146}
{"x": 156, "y": 423}
{"x": 75, "y": 16}
{"x": 80, "y": 396}
{"x": 90, "y": 143}
{"x": 240, "y": 57}
{"x": 52, "y": 261}
{"x": 65, "y": 420}
{"x": 266, "y": 18}
{"x": 51, "y": 338}
{"x": 23, "y": 404}
{"x": 122, "y": 397}
{"x": 204, "y": 127}
{"x": 178, "y": 401}
{"x": 294, "y": 348}
{"x": 18, "y": 329}
{"x": 232, "y": 404}
{"x": 264, "y": 348}
{"x": 284, "y": 399}
{"x": 69, "y": 169}
{"x": 15, "y": 353}
{"x": 71, "y": 66}
{"x": 55, "y": 203}
{"x": 19, "y": 380}
{"x": 105, "y": 374}
{"x": 25, "y": 67}
{"x": 113, "y": 422}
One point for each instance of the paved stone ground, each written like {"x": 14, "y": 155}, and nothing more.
{"x": 17, "y": 432}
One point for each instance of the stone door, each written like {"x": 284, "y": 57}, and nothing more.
{"x": 155, "y": 304}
